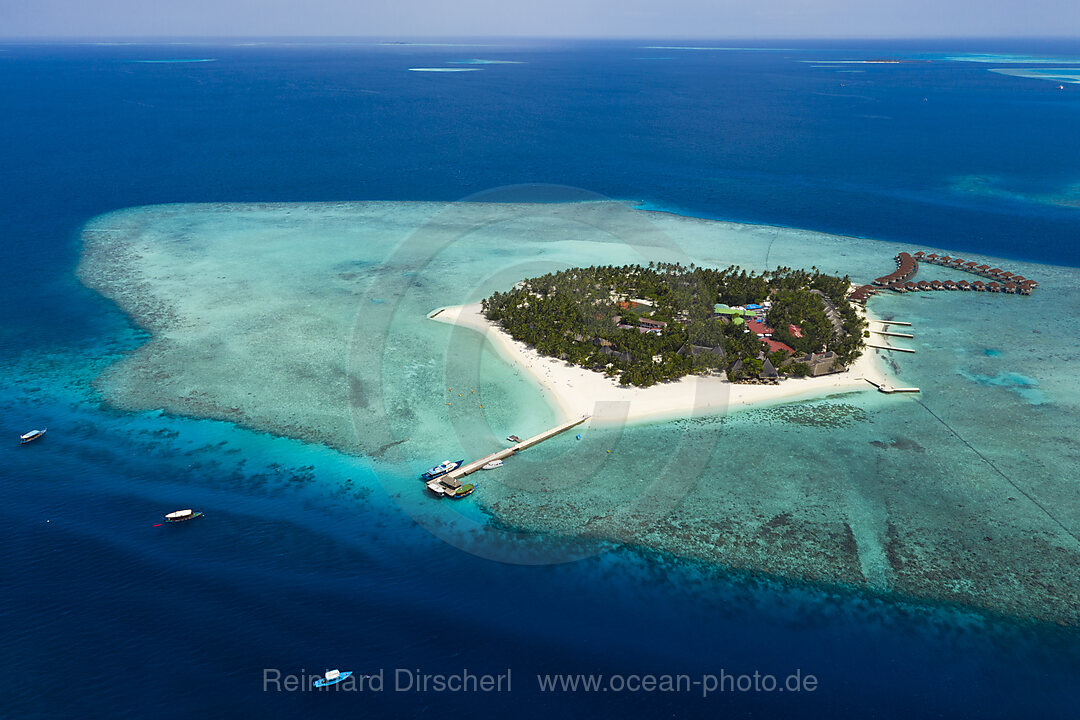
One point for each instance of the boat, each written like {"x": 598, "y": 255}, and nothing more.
{"x": 513, "y": 438}
{"x": 32, "y": 435}
{"x": 441, "y": 469}
{"x": 492, "y": 465}
{"x": 463, "y": 491}
{"x": 182, "y": 515}
{"x": 332, "y": 677}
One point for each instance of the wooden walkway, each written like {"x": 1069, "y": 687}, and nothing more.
{"x": 889, "y": 389}
{"x": 445, "y": 484}
{"x": 890, "y": 347}
{"x": 893, "y": 334}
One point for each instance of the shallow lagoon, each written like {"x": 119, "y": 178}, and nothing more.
{"x": 309, "y": 321}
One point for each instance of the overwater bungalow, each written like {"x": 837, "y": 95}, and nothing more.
{"x": 909, "y": 286}
{"x": 936, "y": 285}
{"x": 923, "y": 285}
{"x": 950, "y": 285}
{"x": 1010, "y": 287}
{"x": 978, "y": 286}
{"x": 982, "y": 268}
{"x": 964, "y": 285}
{"x": 993, "y": 287}
{"x": 1024, "y": 289}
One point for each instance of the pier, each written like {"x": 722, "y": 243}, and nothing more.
{"x": 893, "y": 322}
{"x": 888, "y": 389}
{"x": 448, "y": 484}
{"x": 889, "y": 347}
{"x": 893, "y": 334}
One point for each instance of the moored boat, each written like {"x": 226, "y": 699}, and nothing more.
{"x": 513, "y": 438}
{"x": 332, "y": 677}
{"x": 182, "y": 515}
{"x": 492, "y": 465}
{"x": 31, "y": 436}
{"x": 441, "y": 469}
{"x": 462, "y": 491}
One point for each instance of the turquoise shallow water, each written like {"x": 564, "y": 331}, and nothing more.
{"x": 310, "y": 321}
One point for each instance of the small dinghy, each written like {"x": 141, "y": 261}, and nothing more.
{"x": 332, "y": 677}
{"x": 513, "y": 438}
{"x": 32, "y": 436}
{"x": 182, "y": 515}
{"x": 463, "y": 491}
{"x": 492, "y": 465}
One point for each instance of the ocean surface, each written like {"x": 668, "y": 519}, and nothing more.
{"x": 307, "y": 561}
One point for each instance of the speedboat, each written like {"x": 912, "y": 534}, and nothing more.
{"x": 332, "y": 677}
{"x": 182, "y": 515}
{"x": 492, "y": 465}
{"x": 32, "y": 435}
{"x": 441, "y": 469}
{"x": 513, "y": 438}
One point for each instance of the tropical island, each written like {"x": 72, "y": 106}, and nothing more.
{"x": 661, "y": 322}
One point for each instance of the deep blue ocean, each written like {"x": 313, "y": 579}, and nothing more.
{"x": 105, "y": 615}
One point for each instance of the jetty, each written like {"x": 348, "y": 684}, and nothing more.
{"x": 888, "y": 389}
{"x": 889, "y": 347}
{"x": 893, "y": 334}
{"x": 448, "y": 484}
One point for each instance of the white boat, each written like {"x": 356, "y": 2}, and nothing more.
{"x": 492, "y": 465}
{"x": 332, "y": 677}
{"x": 182, "y": 515}
{"x": 32, "y": 435}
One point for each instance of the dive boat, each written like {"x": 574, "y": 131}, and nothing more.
{"x": 182, "y": 515}
{"x": 492, "y": 465}
{"x": 441, "y": 469}
{"x": 462, "y": 491}
{"x": 31, "y": 436}
{"x": 513, "y": 438}
{"x": 332, "y": 677}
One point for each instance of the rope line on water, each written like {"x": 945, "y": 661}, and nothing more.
{"x": 998, "y": 470}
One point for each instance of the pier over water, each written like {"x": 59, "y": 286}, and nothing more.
{"x": 449, "y": 483}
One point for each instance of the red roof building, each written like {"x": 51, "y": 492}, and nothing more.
{"x": 775, "y": 345}
{"x": 759, "y": 328}
{"x": 795, "y": 330}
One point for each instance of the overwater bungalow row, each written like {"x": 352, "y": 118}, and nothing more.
{"x": 993, "y": 273}
{"x": 906, "y": 267}
{"x": 861, "y": 293}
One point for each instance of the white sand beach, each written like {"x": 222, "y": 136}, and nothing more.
{"x": 575, "y": 391}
